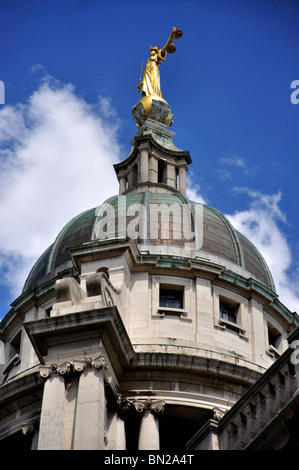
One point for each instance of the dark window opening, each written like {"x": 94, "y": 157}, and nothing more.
{"x": 48, "y": 311}
{"x": 15, "y": 345}
{"x": 171, "y": 297}
{"x": 134, "y": 174}
{"x": 228, "y": 312}
{"x": 161, "y": 171}
{"x": 178, "y": 424}
{"x": 273, "y": 336}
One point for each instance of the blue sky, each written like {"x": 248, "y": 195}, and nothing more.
{"x": 70, "y": 70}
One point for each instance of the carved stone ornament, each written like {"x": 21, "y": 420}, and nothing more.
{"x": 154, "y": 406}
{"x": 123, "y": 405}
{"x": 64, "y": 368}
{"x": 218, "y": 413}
{"x": 28, "y": 428}
{"x": 78, "y": 365}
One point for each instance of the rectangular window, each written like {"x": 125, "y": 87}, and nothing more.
{"x": 171, "y": 297}
{"x": 228, "y": 312}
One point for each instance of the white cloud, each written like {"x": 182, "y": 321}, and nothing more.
{"x": 193, "y": 189}
{"x": 234, "y": 160}
{"x": 56, "y": 160}
{"x": 260, "y": 223}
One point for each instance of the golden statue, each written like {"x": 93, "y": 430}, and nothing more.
{"x": 151, "y": 77}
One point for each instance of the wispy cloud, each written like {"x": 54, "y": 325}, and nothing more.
{"x": 261, "y": 223}
{"x": 233, "y": 163}
{"x": 234, "y": 160}
{"x": 56, "y": 160}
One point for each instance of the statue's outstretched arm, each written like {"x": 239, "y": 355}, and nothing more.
{"x": 176, "y": 33}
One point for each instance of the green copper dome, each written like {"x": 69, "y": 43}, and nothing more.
{"x": 219, "y": 239}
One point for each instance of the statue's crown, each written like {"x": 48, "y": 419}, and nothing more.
{"x": 155, "y": 47}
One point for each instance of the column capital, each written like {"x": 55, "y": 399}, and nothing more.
{"x": 78, "y": 365}
{"x": 30, "y": 427}
{"x": 141, "y": 406}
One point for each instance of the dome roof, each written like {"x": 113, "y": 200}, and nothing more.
{"x": 219, "y": 239}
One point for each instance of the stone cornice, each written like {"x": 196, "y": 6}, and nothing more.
{"x": 152, "y": 142}
{"x": 105, "y": 322}
{"x": 27, "y": 383}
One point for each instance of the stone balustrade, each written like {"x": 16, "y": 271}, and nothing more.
{"x": 275, "y": 396}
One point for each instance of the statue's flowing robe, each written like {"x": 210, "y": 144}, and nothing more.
{"x": 151, "y": 77}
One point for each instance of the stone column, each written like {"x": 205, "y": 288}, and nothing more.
{"x": 182, "y": 180}
{"x": 80, "y": 424}
{"x": 153, "y": 170}
{"x": 116, "y": 434}
{"x": 90, "y": 411}
{"x": 122, "y": 184}
{"x": 170, "y": 175}
{"x": 51, "y": 431}
{"x": 144, "y": 166}
{"x": 149, "y": 438}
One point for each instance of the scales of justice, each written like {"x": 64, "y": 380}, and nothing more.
{"x": 152, "y": 105}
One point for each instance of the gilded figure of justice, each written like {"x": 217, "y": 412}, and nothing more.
{"x": 150, "y": 83}
{"x": 152, "y": 105}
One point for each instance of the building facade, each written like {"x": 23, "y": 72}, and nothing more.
{"x": 150, "y": 323}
